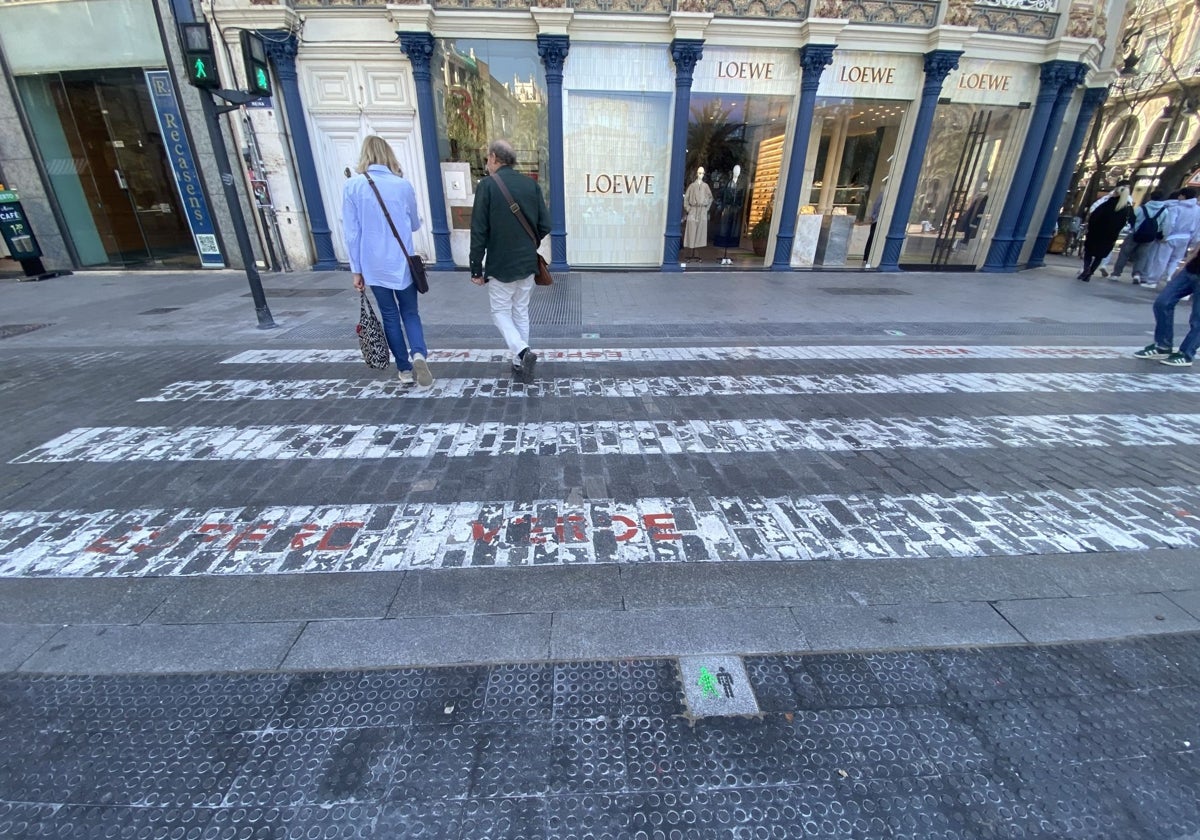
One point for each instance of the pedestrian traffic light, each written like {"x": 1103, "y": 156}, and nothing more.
{"x": 254, "y": 56}
{"x": 198, "y": 53}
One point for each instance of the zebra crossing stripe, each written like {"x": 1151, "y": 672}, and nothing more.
{"x": 552, "y": 532}
{"x": 228, "y": 390}
{"x": 611, "y": 437}
{"x": 703, "y": 354}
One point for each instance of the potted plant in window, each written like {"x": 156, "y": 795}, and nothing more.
{"x": 761, "y": 232}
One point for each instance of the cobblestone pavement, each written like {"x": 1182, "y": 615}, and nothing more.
{"x": 249, "y": 588}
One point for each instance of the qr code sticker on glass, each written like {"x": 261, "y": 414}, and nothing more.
{"x": 207, "y": 243}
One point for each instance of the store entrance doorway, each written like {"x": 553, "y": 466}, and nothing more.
{"x": 967, "y": 204}
{"x": 100, "y": 142}
{"x": 951, "y": 217}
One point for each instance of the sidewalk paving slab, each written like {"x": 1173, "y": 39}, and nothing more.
{"x": 607, "y": 634}
{"x": 286, "y": 597}
{"x": 899, "y": 626}
{"x": 1109, "y": 573}
{"x": 421, "y": 641}
{"x": 748, "y": 585}
{"x": 149, "y": 649}
{"x": 54, "y": 600}
{"x": 18, "y": 642}
{"x": 1096, "y": 617}
{"x": 935, "y": 580}
{"x": 1188, "y": 599}
{"x": 500, "y": 591}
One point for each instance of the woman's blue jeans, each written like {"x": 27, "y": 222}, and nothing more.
{"x": 396, "y": 306}
{"x": 1181, "y": 285}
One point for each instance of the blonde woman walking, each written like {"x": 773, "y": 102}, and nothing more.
{"x": 1104, "y": 225}
{"x": 376, "y": 258}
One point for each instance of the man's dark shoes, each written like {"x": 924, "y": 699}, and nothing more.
{"x": 528, "y": 364}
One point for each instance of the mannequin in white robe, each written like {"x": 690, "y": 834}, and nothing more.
{"x": 696, "y": 202}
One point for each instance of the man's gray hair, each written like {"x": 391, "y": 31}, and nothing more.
{"x": 503, "y": 151}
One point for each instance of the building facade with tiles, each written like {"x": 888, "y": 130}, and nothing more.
{"x": 771, "y": 133}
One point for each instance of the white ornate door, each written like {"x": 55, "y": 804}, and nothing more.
{"x": 345, "y": 101}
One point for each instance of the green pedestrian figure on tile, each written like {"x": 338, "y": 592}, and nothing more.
{"x": 708, "y": 684}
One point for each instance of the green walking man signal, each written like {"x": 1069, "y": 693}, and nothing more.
{"x": 254, "y": 56}
{"x": 198, "y": 52}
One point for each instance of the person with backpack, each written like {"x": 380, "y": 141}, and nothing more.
{"x": 1108, "y": 218}
{"x": 1183, "y": 222}
{"x": 1138, "y": 245}
{"x": 1185, "y": 284}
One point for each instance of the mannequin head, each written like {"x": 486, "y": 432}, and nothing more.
{"x": 700, "y": 173}
{"x": 737, "y": 171}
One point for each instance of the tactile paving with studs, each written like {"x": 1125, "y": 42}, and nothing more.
{"x": 1068, "y": 741}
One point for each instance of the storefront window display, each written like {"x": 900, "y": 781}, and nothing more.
{"x": 617, "y": 114}
{"x": 740, "y": 107}
{"x": 484, "y": 90}
{"x": 87, "y": 103}
{"x": 964, "y": 174}
{"x": 487, "y": 90}
{"x": 850, "y": 176}
{"x": 862, "y": 103}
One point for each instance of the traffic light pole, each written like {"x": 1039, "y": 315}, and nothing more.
{"x": 221, "y": 153}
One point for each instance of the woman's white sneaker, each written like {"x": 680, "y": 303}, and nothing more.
{"x": 421, "y": 371}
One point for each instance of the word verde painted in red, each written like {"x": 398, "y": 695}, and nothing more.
{"x": 336, "y": 537}
{"x": 573, "y": 528}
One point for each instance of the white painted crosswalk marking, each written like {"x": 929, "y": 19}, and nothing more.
{"x": 226, "y": 390}
{"x": 820, "y": 352}
{"x": 611, "y": 437}
{"x": 791, "y": 528}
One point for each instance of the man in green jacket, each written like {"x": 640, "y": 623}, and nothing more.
{"x": 511, "y": 252}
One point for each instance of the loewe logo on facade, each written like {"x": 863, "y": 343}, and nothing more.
{"x": 619, "y": 184}
{"x": 745, "y": 69}
{"x": 867, "y": 74}
{"x": 984, "y": 81}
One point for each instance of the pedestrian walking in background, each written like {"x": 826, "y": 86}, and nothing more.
{"x": 1186, "y": 282}
{"x": 1181, "y": 228}
{"x": 1151, "y": 213}
{"x": 503, "y": 252}
{"x": 1074, "y": 234}
{"x": 376, "y": 257}
{"x": 1104, "y": 225}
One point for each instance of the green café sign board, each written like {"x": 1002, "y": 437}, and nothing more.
{"x": 15, "y": 229}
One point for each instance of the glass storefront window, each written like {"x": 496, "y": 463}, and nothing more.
{"x": 846, "y": 180}
{"x": 106, "y": 159}
{"x": 954, "y": 207}
{"x": 738, "y": 142}
{"x": 742, "y": 101}
{"x": 485, "y": 90}
{"x": 491, "y": 90}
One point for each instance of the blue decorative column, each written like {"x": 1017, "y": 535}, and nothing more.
{"x": 686, "y": 52}
{"x": 418, "y": 46}
{"x": 1093, "y": 98}
{"x": 814, "y": 58}
{"x": 1006, "y": 237}
{"x": 281, "y": 48}
{"x": 553, "y": 50}
{"x": 938, "y": 65}
{"x": 1070, "y": 75}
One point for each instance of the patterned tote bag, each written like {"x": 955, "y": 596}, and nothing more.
{"x": 371, "y": 340}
